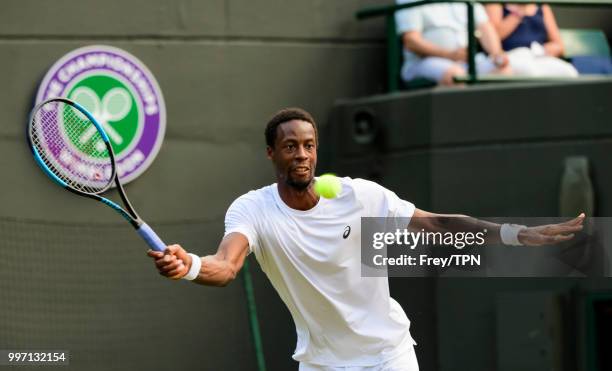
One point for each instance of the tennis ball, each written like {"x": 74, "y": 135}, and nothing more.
{"x": 328, "y": 186}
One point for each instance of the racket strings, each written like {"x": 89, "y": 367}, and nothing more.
{"x": 71, "y": 147}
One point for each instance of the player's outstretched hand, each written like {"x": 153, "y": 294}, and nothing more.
{"x": 174, "y": 262}
{"x": 551, "y": 234}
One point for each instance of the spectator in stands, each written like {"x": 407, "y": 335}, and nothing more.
{"x": 435, "y": 40}
{"x": 530, "y": 35}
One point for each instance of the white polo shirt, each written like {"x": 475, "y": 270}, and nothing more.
{"x": 313, "y": 260}
{"x": 443, "y": 24}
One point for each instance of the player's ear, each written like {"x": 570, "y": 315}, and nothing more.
{"x": 269, "y": 152}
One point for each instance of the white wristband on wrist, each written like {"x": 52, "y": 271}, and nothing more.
{"x": 509, "y": 234}
{"x": 196, "y": 264}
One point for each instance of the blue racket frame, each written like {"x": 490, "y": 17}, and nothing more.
{"x": 142, "y": 228}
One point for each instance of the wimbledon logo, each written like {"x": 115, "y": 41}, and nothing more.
{"x": 122, "y": 95}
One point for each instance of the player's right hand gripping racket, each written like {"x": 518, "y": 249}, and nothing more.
{"x": 74, "y": 151}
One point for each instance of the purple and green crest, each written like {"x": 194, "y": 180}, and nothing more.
{"x": 123, "y": 96}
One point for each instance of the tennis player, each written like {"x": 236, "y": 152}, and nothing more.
{"x": 309, "y": 247}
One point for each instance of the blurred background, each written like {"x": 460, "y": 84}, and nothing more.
{"x": 73, "y": 276}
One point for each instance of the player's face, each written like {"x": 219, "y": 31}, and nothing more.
{"x": 295, "y": 153}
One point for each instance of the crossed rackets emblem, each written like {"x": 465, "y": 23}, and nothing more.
{"x": 113, "y": 107}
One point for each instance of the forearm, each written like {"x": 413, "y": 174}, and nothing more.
{"x": 222, "y": 268}
{"x": 554, "y": 46}
{"x": 461, "y": 223}
{"x": 489, "y": 40}
{"x": 216, "y": 271}
{"x": 414, "y": 42}
{"x": 506, "y": 26}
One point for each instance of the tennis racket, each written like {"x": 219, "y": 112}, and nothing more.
{"x": 74, "y": 150}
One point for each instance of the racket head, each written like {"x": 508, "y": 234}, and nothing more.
{"x": 71, "y": 147}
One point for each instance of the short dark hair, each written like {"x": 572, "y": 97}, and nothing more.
{"x": 284, "y": 115}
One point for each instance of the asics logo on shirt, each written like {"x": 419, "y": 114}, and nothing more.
{"x": 347, "y": 231}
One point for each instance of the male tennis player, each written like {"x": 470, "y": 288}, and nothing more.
{"x": 309, "y": 248}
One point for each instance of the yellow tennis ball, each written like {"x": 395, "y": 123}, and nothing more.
{"x": 328, "y": 186}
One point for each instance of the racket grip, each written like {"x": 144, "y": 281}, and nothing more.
{"x": 151, "y": 238}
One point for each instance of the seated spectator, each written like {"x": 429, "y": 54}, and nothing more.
{"x": 530, "y": 35}
{"x": 435, "y": 42}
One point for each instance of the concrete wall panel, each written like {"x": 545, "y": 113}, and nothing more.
{"x": 77, "y": 19}
{"x": 312, "y": 19}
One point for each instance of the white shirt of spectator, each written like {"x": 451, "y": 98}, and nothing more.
{"x": 444, "y": 25}
{"x": 314, "y": 264}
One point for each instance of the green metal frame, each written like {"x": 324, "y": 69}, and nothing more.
{"x": 394, "y": 48}
{"x": 253, "y": 319}
{"x": 393, "y": 55}
{"x": 471, "y": 49}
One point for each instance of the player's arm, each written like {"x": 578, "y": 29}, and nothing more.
{"x": 215, "y": 270}
{"x": 531, "y": 236}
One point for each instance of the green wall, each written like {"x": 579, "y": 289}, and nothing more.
{"x": 73, "y": 275}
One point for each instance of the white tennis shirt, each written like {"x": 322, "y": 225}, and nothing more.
{"x": 341, "y": 318}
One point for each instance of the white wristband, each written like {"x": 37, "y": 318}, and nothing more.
{"x": 509, "y": 234}
{"x": 196, "y": 264}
